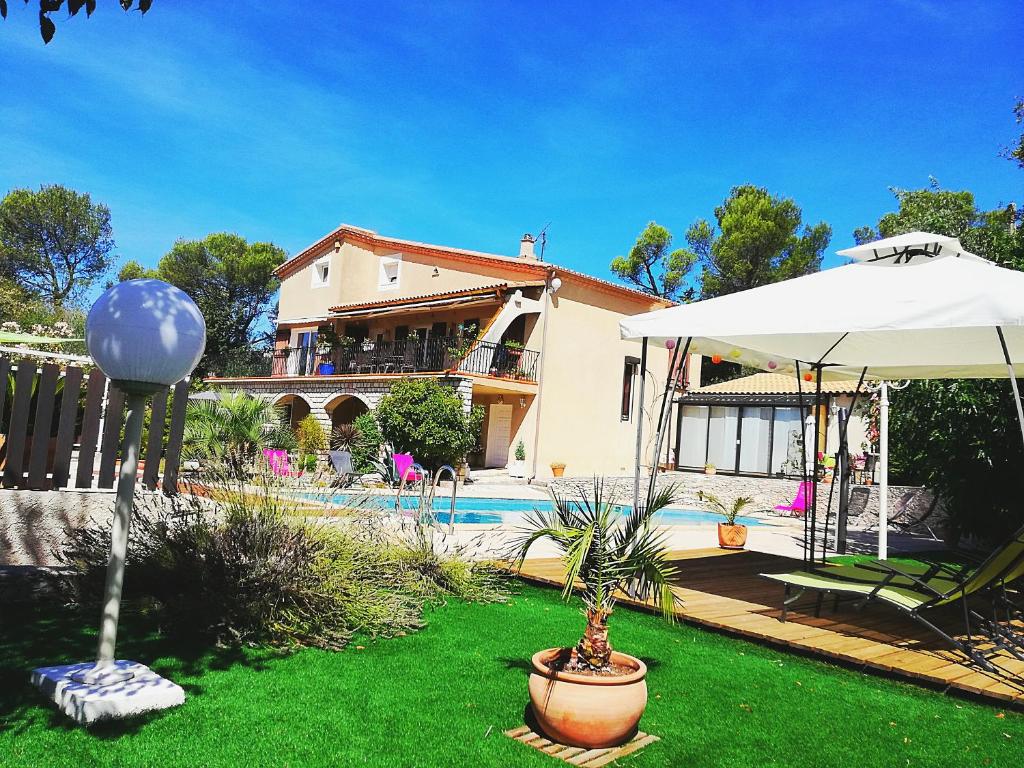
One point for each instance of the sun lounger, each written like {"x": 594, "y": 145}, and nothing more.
{"x": 915, "y": 596}
{"x": 341, "y": 463}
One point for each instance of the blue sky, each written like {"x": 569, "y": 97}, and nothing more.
{"x": 470, "y": 123}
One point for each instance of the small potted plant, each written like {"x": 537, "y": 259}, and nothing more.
{"x": 826, "y": 467}
{"x": 517, "y": 467}
{"x": 326, "y": 343}
{"x": 590, "y": 696}
{"x": 513, "y": 351}
{"x": 730, "y": 535}
{"x": 557, "y": 468}
{"x": 709, "y": 469}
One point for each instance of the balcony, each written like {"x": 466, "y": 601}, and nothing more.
{"x": 431, "y": 355}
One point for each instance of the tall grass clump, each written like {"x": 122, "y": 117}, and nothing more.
{"x": 243, "y": 559}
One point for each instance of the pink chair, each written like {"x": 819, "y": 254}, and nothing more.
{"x": 278, "y": 461}
{"x": 403, "y": 461}
{"x": 798, "y": 507}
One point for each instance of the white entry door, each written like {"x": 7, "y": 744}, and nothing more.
{"x": 499, "y": 434}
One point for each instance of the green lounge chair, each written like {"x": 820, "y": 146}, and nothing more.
{"x": 939, "y": 576}
{"x": 915, "y": 596}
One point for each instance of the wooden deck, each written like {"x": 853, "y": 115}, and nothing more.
{"x": 722, "y": 590}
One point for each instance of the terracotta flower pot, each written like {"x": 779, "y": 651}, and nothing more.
{"x": 557, "y": 469}
{"x": 584, "y": 710}
{"x": 732, "y": 536}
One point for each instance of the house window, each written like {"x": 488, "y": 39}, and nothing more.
{"x": 628, "y": 376}
{"x": 321, "y": 272}
{"x": 390, "y": 272}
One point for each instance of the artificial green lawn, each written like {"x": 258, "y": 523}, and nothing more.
{"x": 442, "y": 697}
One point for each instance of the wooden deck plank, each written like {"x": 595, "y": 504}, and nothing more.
{"x": 723, "y": 590}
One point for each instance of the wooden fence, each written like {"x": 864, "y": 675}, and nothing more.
{"x": 54, "y": 420}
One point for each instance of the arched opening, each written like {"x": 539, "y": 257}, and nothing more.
{"x": 345, "y": 409}
{"x": 294, "y": 409}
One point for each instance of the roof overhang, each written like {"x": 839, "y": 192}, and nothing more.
{"x": 527, "y": 268}
{"x": 491, "y": 294}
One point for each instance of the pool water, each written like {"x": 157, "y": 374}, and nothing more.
{"x": 513, "y": 511}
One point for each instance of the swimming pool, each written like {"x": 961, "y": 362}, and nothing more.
{"x": 486, "y": 511}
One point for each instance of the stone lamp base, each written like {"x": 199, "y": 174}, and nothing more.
{"x": 145, "y": 691}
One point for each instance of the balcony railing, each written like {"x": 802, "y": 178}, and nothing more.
{"x": 378, "y": 357}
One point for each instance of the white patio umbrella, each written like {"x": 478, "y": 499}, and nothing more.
{"x": 916, "y": 306}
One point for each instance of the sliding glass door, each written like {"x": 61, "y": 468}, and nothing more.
{"x": 748, "y": 439}
{"x": 755, "y": 439}
{"x": 693, "y": 436}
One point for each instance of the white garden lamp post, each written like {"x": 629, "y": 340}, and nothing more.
{"x": 145, "y": 335}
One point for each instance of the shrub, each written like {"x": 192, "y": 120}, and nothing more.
{"x": 427, "y": 419}
{"x": 345, "y": 437}
{"x": 366, "y": 450}
{"x": 958, "y": 438}
{"x": 238, "y": 562}
{"x": 310, "y": 436}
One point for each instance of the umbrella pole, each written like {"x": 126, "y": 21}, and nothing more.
{"x": 803, "y": 448}
{"x": 883, "y": 470}
{"x": 640, "y": 424}
{"x": 1013, "y": 380}
{"x": 666, "y": 408}
{"x": 814, "y": 457}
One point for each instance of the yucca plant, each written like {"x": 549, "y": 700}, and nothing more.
{"x": 730, "y": 512}
{"x": 345, "y": 437}
{"x": 608, "y": 553}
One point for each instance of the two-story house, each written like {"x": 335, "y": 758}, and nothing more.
{"x": 537, "y": 345}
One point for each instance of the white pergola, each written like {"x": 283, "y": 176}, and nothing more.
{"x": 916, "y": 306}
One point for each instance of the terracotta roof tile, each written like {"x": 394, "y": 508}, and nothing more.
{"x": 774, "y": 384}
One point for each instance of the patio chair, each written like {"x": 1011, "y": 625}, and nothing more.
{"x": 914, "y": 596}
{"x": 341, "y": 463}
{"x": 403, "y": 464}
{"x": 410, "y": 357}
{"x": 798, "y": 507}
{"x": 278, "y": 461}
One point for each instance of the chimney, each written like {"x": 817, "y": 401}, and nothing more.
{"x": 526, "y": 247}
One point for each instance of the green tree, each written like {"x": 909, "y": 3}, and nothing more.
{"x": 1015, "y": 152}
{"x": 653, "y": 267}
{"x": 991, "y": 234}
{"x": 757, "y": 241}
{"x": 952, "y": 436}
{"x": 427, "y": 419}
{"x": 231, "y": 280}
{"x": 54, "y": 242}
{"x": 47, "y": 28}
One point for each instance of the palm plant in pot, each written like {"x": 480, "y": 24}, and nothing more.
{"x": 730, "y": 534}
{"x": 589, "y": 695}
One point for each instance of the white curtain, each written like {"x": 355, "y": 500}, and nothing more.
{"x": 722, "y": 437}
{"x": 693, "y": 436}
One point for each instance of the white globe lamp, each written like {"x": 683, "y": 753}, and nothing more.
{"x": 145, "y": 335}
